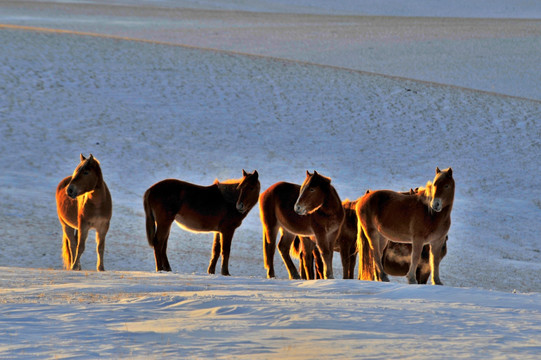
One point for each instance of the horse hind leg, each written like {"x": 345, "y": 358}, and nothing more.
{"x": 269, "y": 248}
{"x": 377, "y": 244}
{"x": 435, "y": 258}
{"x": 284, "y": 245}
{"x": 163, "y": 230}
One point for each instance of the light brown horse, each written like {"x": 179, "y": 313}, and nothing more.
{"x": 311, "y": 210}
{"x": 219, "y": 208}
{"x": 421, "y": 219}
{"x": 396, "y": 256}
{"x": 83, "y": 202}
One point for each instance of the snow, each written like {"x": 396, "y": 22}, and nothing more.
{"x": 150, "y": 110}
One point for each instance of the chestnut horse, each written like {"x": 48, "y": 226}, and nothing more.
{"x": 396, "y": 256}
{"x": 83, "y": 202}
{"x": 219, "y": 208}
{"x": 421, "y": 219}
{"x": 311, "y": 210}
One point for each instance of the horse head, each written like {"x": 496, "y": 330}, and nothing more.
{"x": 85, "y": 177}
{"x": 248, "y": 189}
{"x": 441, "y": 190}
{"x": 312, "y": 193}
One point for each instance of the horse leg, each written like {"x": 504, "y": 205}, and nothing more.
{"x": 345, "y": 256}
{"x": 325, "y": 244}
{"x": 82, "y": 234}
{"x": 352, "y": 260}
{"x": 435, "y": 258}
{"x": 269, "y": 248}
{"x": 416, "y": 250}
{"x": 216, "y": 249}
{"x": 319, "y": 268}
{"x": 69, "y": 244}
{"x": 377, "y": 244}
{"x": 308, "y": 248}
{"x": 100, "y": 247}
{"x": 160, "y": 247}
{"x": 227, "y": 237}
{"x": 283, "y": 247}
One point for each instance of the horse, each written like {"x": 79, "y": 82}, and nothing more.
{"x": 312, "y": 209}
{"x": 219, "y": 208}
{"x": 83, "y": 202}
{"x": 424, "y": 218}
{"x": 396, "y": 256}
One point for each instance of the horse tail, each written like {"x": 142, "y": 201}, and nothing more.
{"x": 149, "y": 220}
{"x": 296, "y": 248}
{"x": 367, "y": 266}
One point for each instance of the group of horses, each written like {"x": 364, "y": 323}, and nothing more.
{"x": 396, "y": 233}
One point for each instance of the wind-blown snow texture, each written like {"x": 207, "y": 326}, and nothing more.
{"x": 150, "y": 111}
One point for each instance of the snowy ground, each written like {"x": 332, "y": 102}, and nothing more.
{"x": 149, "y": 111}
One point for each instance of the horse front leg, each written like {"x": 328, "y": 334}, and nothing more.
{"x": 216, "y": 249}
{"x": 227, "y": 237}
{"x": 100, "y": 245}
{"x": 82, "y": 234}
{"x": 325, "y": 244}
{"x": 435, "y": 258}
{"x": 416, "y": 250}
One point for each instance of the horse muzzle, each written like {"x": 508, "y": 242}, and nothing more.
{"x": 71, "y": 191}
{"x": 241, "y": 208}
{"x": 300, "y": 209}
{"x": 436, "y": 205}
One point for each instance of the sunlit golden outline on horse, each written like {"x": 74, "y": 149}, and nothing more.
{"x": 424, "y": 218}
{"x": 313, "y": 210}
{"x": 219, "y": 208}
{"x": 83, "y": 202}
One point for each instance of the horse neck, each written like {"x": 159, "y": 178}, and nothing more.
{"x": 332, "y": 202}
{"x": 229, "y": 191}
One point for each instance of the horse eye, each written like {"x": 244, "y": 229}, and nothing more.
{"x": 312, "y": 189}
{"x": 446, "y": 186}
{"x": 85, "y": 172}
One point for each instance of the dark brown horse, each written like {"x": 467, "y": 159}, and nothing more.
{"x": 83, "y": 202}
{"x": 218, "y": 208}
{"x": 311, "y": 210}
{"x": 424, "y": 218}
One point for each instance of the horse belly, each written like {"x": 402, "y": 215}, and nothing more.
{"x": 195, "y": 224}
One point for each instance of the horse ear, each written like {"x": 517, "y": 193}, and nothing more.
{"x": 82, "y": 157}
{"x": 450, "y": 172}
{"x": 244, "y": 173}
{"x": 315, "y": 173}
{"x": 308, "y": 173}
{"x": 91, "y": 157}
{"x": 256, "y": 174}
{"x": 438, "y": 170}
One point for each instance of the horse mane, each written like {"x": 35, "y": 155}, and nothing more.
{"x": 228, "y": 188}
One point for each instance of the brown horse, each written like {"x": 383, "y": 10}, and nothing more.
{"x": 421, "y": 219}
{"x": 311, "y": 210}
{"x": 218, "y": 208}
{"x": 396, "y": 256}
{"x": 83, "y": 202}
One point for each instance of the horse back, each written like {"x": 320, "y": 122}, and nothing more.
{"x": 398, "y": 217}
{"x": 194, "y": 207}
